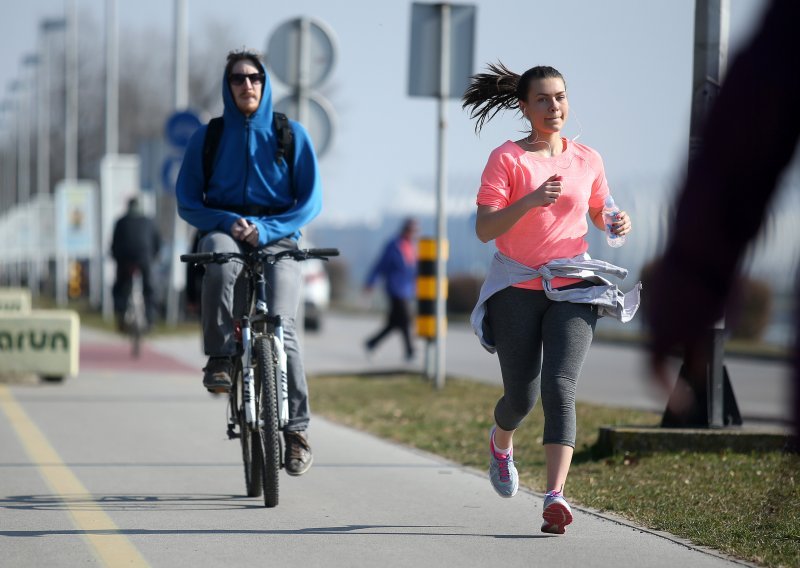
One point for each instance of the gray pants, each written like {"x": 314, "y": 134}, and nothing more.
{"x": 541, "y": 345}
{"x": 223, "y": 294}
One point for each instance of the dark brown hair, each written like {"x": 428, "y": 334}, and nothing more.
{"x": 501, "y": 89}
{"x": 235, "y": 57}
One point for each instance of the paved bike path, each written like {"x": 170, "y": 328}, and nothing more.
{"x": 154, "y": 477}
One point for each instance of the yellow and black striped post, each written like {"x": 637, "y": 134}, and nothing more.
{"x": 426, "y": 297}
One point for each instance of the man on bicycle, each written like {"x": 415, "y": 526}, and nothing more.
{"x": 134, "y": 246}
{"x": 253, "y": 198}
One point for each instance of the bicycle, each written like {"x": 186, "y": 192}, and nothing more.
{"x": 258, "y": 402}
{"x": 134, "y": 319}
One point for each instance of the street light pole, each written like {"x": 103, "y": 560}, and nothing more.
{"x": 11, "y": 173}
{"x": 71, "y": 119}
{"x": 181, "y": 55}
{"x": 112, "y": 78}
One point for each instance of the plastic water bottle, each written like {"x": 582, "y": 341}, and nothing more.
{"x": 610, "y": 213}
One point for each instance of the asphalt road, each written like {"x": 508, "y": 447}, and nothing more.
{"x": 127, "y": 464}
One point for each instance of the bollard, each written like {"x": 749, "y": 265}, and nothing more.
{"x": 426, "y": 300}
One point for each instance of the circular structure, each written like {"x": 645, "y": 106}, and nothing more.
{"x": 319, "y": 121}
{"x": 284, "y": 52}
{"x": 180, "y": 126}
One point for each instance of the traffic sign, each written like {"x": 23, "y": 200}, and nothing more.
{"x": 180, "y": 126}
{"x": 288, "y": 46}
{"x": 170, "y": 169}
{"x": 320, "y": 122}
{"x": 425, "y": 63}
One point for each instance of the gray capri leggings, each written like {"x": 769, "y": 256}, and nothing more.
{"x": 541, "y": 345}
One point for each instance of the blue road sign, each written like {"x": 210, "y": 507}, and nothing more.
{"x": 169, "y": 172}
{"x": 180, "y": 126}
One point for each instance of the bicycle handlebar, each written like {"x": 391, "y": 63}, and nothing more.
{"x": 220, "y": 257}
{"x": 320, "y": 252}
{"x": 198, "y": 257}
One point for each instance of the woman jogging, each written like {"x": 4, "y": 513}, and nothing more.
{"x": 543, "y": 293}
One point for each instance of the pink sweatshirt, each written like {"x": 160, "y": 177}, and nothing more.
{"x": 544, "y": 233}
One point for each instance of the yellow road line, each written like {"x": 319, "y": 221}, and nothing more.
{"x": 112, "y": 548}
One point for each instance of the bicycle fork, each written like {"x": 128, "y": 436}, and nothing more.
{"x": 248, "y": 394}
{"x": 283, "y": 380}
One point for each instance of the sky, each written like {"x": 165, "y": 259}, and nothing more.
{"x": 627, "y": 63}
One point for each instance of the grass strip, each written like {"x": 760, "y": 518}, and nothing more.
{"x": 746, "y": 505}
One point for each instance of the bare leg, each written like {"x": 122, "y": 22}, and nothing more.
{"x": 558, "y": 458}
{"x": 502, "y": 438}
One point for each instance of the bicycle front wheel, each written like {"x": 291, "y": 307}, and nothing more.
{"x": 268, "y": 410}
{"x": 252, "y": 455}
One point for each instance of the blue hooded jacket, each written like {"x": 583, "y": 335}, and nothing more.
{"x": 399, "y": 277}
{"x": 246, "y": 172}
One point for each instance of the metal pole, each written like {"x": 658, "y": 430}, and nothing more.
{"x": 181, "y": 47}
{"x": 11, "y": 198}
{"x": 303, "y": 71}
{"x": 43, "y": 125}
{"x": 24, "y": 140}
{"x": 10, "y": 159}
{"x": 181, "y": 102}
{"x": 71, "y": 121}
{"x": 112, "y": 78}
{"x": 712, "y": 22}
{"x": 441, "y": 217}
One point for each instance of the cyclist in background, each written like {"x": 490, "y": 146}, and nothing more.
{"x": 134, "y": 246}
{"x": 253, "y": 198}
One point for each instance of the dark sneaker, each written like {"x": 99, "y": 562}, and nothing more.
{"x": 217, "y": 374}
{"x": 298, "y": 453}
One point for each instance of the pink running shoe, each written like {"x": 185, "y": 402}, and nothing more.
{"x": 557, "y": 513}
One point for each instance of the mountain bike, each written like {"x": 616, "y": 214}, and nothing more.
{"x": 258, "y": 403}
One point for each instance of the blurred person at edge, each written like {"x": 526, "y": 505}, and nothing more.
{"x": 134, "y": 245}
{"x": 252, "y": 200}
{"x": 397, "y": 265}
{"x": 749, "y": 139}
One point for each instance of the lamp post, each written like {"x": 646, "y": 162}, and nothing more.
{"x": 71, "y": 119}
{"x": 29, "y": 61}
{"x": 43, "y": 138}
{"x": 9, "y": 176}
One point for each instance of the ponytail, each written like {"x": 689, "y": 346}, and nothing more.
{"x": 500, "y": 89}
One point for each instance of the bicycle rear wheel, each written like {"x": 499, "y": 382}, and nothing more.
{"x": 268, "y": 410}
{"x": 252, "y": 455}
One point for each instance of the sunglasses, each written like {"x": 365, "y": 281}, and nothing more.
{"x": 238, "y": 79}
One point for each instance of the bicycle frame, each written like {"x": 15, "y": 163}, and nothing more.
{"x": 261, "y": 322}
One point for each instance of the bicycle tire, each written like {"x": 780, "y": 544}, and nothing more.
{"x": 252, "y": 457}
{"x": 136, "y": 342}
{"x": 268, "y": 410}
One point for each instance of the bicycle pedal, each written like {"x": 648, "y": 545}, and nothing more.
{"x": 232, "y": 433}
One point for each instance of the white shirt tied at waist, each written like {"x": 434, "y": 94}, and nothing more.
{"x": 609, "y": 299}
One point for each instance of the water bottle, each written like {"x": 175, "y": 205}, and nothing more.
{"x": 610, "y": 213}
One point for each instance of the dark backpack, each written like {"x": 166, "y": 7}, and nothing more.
{"x": 285, "y": 151}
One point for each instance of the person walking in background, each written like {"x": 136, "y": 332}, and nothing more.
{"x": 397, "y": 265}
{"x": 134, "y": 246}
{"x": 543, "y": 294}
{"x": 254, "y": 197}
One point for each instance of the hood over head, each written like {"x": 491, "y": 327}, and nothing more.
{"x": 262, "y": 118}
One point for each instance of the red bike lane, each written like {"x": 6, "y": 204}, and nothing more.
{"x": 104, "y": 355}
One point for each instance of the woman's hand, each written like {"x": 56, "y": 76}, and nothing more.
{"x": 622, "y": 226}
{"x": 492, "y": 222}
{"x": 547, "y": 193}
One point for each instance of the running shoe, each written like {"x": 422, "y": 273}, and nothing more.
{"x": 556, "y": 514}
{"x": 502, "y": 472}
